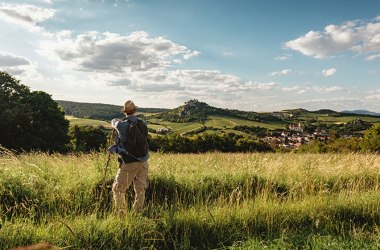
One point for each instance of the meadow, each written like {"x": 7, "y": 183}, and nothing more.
{"x": 195, "y": 201}
{"x": 87, "y": 122}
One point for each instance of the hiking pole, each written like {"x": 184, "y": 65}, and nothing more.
{"x": 104, "y": 178}
{"x": 105, "y": 170}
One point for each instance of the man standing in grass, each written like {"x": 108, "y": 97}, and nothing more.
{"x": 132, "y": 147}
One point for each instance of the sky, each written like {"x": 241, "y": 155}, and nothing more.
{"x": 246, "y": 54}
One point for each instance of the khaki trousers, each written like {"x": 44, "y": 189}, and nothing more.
{"x": 136, "y": 172}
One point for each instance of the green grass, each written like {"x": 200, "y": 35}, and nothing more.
{"x": 87, "y": 122}
{"x": 345, "y": 119}
{"x": 229, "y": 122}
{"x": 176, "y": 127}
{"x": 220, "y": 122}
{"x": 195, "y": 201}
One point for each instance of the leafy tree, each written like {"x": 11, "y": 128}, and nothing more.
{"x": 343, "y": 145}
{"x": 87, "y": 138}
{"x": 371, "y": 140}
{"x": 249, "y": 145}
{"x": 314, "y": 147}
{"x": 30, "y": 120}
{"x": 354, "y": 127}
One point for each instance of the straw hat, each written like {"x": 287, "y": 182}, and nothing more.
{"x": 129, "y": 107}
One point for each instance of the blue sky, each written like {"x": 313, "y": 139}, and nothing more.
{"x": 248, "y": 55}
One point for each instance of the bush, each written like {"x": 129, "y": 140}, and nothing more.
{"x": 371, "y": 140}
{"x": 87, "y": 138}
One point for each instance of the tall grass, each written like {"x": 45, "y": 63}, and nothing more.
{"x": 201, "y": 201}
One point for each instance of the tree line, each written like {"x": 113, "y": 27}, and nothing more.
{"x": 98, "y": 111}
{"x": 224, "y": 142}
{"x": 369, "y": 143}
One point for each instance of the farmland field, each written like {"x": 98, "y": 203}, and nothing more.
{"x": 202, "y": 201}
{"x": 344, "y": 119}
{"x": 216, "y": 121}
{"x": 87, "y": 122}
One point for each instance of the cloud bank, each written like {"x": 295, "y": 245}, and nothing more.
{"x": 114, "y": 53}
{"x": 358, "y": 37}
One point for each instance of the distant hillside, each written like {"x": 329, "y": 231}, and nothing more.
{"x": 98, "y": 111}
{"x": 196, "y": 111}
{"x": 195, "y": 117}
{"x": 361, "y": 112}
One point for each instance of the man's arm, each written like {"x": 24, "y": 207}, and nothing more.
{"x": 115, "y": 122}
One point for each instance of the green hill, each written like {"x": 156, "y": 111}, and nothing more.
{"x": 196, "y": 111}
{"x": 99, "y": 111}
{"x": 87, "y": 122}
{"x": 195, "y": 117}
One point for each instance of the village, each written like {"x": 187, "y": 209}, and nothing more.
{"x": 295, "y": 137}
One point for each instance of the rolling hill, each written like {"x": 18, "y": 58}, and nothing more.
{"x": 196, "y": 117}
{"x": 361, "y": 112}
{"x": 99, "y": 111}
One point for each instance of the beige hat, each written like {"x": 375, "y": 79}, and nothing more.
{"x": 129, "y": 107}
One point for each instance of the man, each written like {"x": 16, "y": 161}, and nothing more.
{"x": 133, "y": 151}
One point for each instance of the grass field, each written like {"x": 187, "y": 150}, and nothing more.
{"x": 219, "y": 122}
{"x": 195, "y": 201}
{"x": 87, "y": 122}
{"x": 324, "y": 118}
{"x": 229, "y": 122}
{"x": 345, "y": 119}
{"x": 222, "y": 123}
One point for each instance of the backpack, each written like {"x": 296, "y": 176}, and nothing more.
{"x": 136, "y": 143}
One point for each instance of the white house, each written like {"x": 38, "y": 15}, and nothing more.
{"x": 296, "y": 127}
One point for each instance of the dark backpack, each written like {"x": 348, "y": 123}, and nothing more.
{"x": 136, "y": 143}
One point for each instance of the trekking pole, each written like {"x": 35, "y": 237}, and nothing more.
{"x": 105, "y": 171}
{"x": 104, "y": 178}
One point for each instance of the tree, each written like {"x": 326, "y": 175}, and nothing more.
{"x": 87, "y": 138}
{"x": 371, "y": 140}
{"x": 30, "y": 120}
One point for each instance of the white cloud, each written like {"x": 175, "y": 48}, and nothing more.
{"x": 18, "y": 65}
{"x": 296, "y": 89}
{"x": 204, "y": 77}
{"x": 258, "y": 86}
{"x": 111, "y": 52}
{"x": 361, "y": 37}
{"x": 372, "y": 57}
{"x": 142, "y": 63}
{"x": 25, "y": 15}
{"x": 284, "y": 57}
{"x": 228, "y": 53}
{"x": 11, "y": 60}
{"x": 373, "y": 95}
{"x": 189, "y": 54}
{"x": 335, "y": 103}
{"x": 321, "y": 89}
{"x": 304, "y": 89}
{"x": 159, "y": 87}
{"x": 281, "y": 72}
{"x": 329, "y": 72}
{"x": 46, "y": 1}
